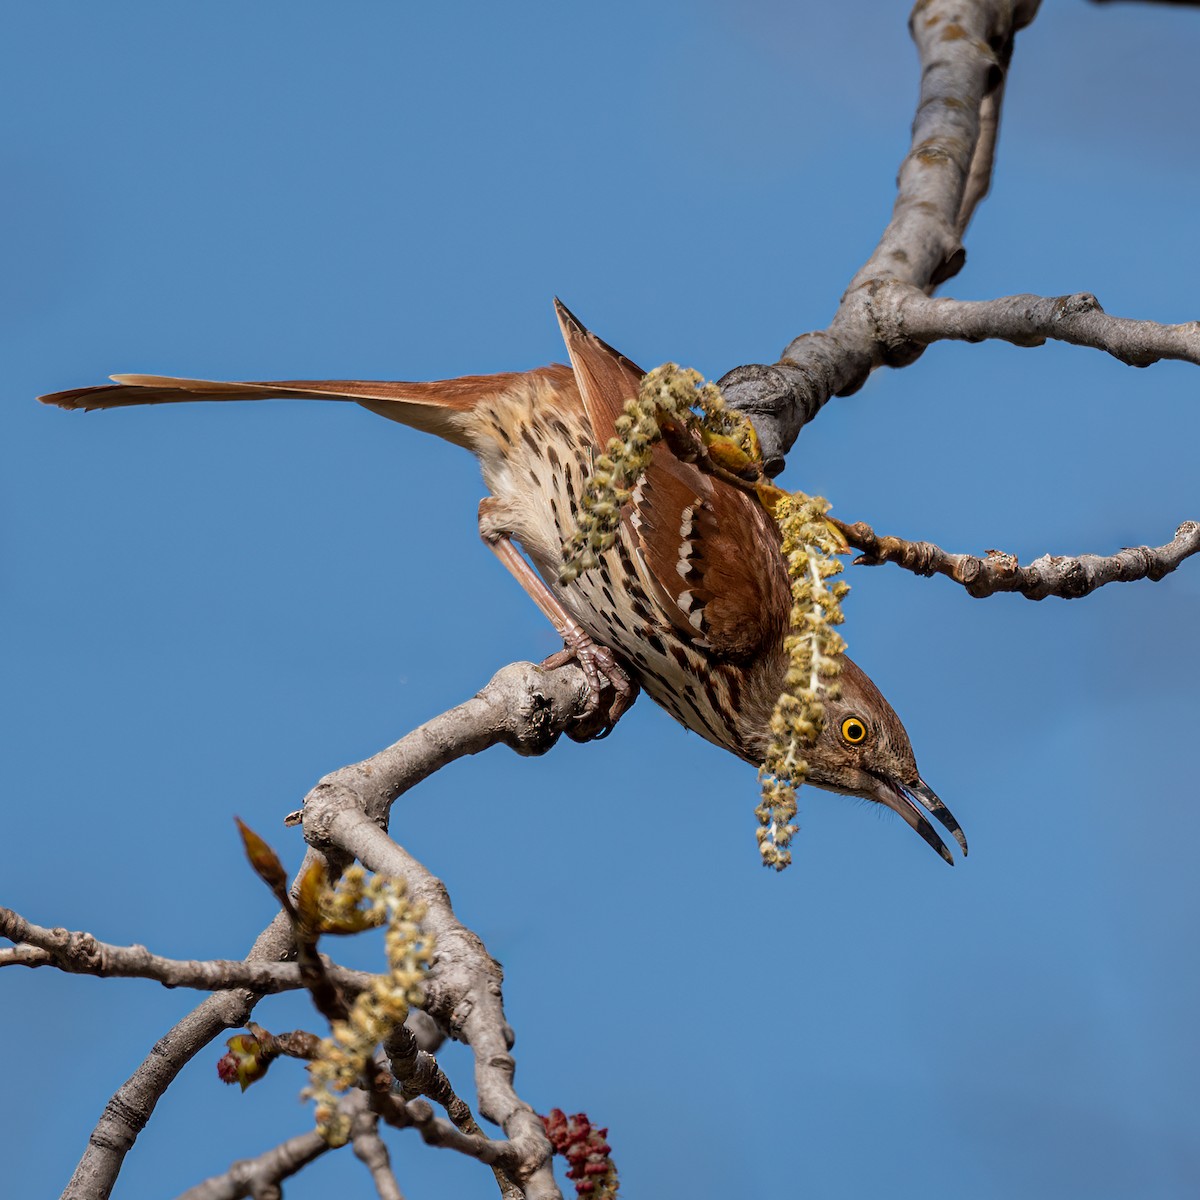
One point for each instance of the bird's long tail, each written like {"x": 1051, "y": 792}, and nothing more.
{"x": 442, "y": 407}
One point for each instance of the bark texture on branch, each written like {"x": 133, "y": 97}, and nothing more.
{"x": 1067, "y": 578}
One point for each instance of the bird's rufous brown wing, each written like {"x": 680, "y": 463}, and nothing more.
{"x": 708, "y": 552}
{"x": 712, "y": 555}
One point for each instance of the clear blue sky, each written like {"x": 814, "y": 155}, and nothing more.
{"x": 206, "y": 608}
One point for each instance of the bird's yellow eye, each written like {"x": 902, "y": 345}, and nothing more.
{"x": 854, "y": 731}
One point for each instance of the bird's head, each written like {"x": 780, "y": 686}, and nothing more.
{"x": 863, "y": 750}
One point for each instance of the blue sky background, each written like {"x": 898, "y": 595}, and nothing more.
{"x": 206, "y": 608}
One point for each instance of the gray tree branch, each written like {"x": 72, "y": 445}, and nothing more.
{"x": 964, "y": 47}
{"x": 523, "y": 707}
{"x": 131, "y": 1107}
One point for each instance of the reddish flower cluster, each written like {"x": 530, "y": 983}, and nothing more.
{"x": 586, "y": 1150}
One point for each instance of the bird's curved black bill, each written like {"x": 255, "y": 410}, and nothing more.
{"x": 927, "y": 798}
{"x": 900, "y": 799}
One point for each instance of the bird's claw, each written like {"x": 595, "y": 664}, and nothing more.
{"x": 603, "y": 673}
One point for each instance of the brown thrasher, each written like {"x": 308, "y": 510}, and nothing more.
{"x": 694, "y": 595}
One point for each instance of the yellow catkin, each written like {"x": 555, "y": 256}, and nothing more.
{"x": 359, "y": 902}
{"x": 815, "y": 657}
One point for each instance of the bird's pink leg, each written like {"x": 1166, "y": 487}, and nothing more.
{"x": 598, "y": 663}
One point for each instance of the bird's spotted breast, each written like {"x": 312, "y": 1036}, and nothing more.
{"x": 538, "y": 479}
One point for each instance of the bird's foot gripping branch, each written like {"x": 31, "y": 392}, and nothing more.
{"x": 676, "y": 407}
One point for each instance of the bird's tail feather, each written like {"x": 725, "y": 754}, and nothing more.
{"x": 439, "y": 407}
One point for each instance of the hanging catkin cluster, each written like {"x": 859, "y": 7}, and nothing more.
{"x": 358, "y": 903}
{"x": 815, "y": 657}
{"x": 673, "y": 394}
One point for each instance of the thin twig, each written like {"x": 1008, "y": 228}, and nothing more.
{"x": 1067, "y": 578}
{"x": 260, "y": 1177}
{"x": 983, "y": 161}
{"x": 79, "y": 953}
{"x": 25, "y": 956}
{"x": 417, "y": 1074}
{"x": 371, "y": 1150}
{"x": 434, "y": 1130}
{"x": 905, "y": 315}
